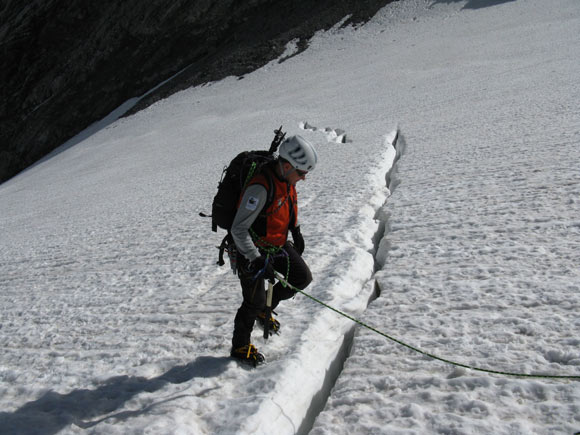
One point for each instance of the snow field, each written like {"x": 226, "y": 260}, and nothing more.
{"x": 480, "y": 252}
{"x": 115, "y": 319}
{"x": 128, "y": 321}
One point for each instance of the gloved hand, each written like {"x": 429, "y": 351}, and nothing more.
{"x": 298, "y": 240}
{"x": 263, "y": 265}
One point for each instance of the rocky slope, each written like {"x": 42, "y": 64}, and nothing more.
{"x": 66, "y": 64}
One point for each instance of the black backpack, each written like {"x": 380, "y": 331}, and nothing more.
{"x": 234, "y": 179}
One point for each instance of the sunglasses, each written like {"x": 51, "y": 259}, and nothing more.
{"x": 301, "y": 173}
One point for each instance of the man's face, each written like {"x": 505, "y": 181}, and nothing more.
{"x": 293, "y": 175}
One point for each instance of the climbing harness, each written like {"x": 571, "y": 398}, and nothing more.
{"x": 271, "y": 252}
{"x": 408, "y": 346}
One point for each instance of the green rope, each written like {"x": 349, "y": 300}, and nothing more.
{"x": 497, "y": 372}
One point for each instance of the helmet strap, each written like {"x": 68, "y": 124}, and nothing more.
{"x": 284, "y": 173}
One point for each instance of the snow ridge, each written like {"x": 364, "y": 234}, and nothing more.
{"x": 395, "y": 147}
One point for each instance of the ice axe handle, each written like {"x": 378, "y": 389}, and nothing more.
{"x": 268, "y": 311}
{"x": 278, "y": 138}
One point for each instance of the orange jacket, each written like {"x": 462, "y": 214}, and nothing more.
{"x": 280, "y": 215}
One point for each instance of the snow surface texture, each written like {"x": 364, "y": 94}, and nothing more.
{"x": 115, "y": 319}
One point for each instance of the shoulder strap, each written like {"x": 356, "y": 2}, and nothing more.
{"x": 292, "y": 210}
{"x": 270, "y": 189}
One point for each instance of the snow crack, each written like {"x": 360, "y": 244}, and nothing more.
{"x": 395, "y": 147}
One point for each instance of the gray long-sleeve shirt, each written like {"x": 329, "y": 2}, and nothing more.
{"x": 253, "y": 201}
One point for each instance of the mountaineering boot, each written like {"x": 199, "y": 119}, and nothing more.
{"x": 274, "y": 324}
{"x": 248, "y": 354}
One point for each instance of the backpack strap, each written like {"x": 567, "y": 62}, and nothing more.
{"x": 292, "y": 213}
{"x": 270, "y": 189}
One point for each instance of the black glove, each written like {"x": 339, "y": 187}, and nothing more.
{"x": 262, "y": 266}
{"x": 298, "y": 240}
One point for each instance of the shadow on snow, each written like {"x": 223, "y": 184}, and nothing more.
{"x": 53, "y": 411}
{"x": 475, "y": 4}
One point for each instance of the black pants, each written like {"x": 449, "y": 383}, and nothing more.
{"x": 254, "y": 293}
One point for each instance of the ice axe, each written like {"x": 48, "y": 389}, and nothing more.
{"x": 268, "y": 311}
{"x": 278, "y": 138}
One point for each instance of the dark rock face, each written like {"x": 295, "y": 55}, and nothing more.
{"x": 66, "y": 64}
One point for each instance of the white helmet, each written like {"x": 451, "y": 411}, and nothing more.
{"x": 299, "y": 153}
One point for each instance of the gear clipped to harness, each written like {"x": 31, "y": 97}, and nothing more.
{"x": 228, "y": 246}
